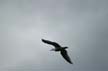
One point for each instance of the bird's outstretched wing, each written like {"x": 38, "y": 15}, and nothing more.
{"x": 56, "y": 45}
{"x": 65, "y": 56}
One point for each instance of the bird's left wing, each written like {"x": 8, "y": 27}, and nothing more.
{"x": 56, "y": 45}
{"x": 65, "y": 56}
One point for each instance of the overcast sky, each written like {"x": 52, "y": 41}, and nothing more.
{"x": 82, "y": 25}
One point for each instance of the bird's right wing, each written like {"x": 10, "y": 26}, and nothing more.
{"x": 65, "y": 56}
{"x": 56, "y": 45}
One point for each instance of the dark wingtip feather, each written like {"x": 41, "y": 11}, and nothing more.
{"x": 71, "y": 62}
{"x": 43, "y": 40}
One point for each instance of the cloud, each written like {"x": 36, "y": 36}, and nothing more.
{"x": 80, "y": 25}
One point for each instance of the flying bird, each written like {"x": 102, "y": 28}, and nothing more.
{"x": 60, "y": 49}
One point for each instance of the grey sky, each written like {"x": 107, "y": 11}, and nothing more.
{"x": 79, "y": 24}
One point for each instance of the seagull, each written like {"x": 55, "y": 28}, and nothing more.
{"x": 60, "y": 49}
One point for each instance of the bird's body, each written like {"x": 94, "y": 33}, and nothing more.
{"x": 60, "y": 49}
